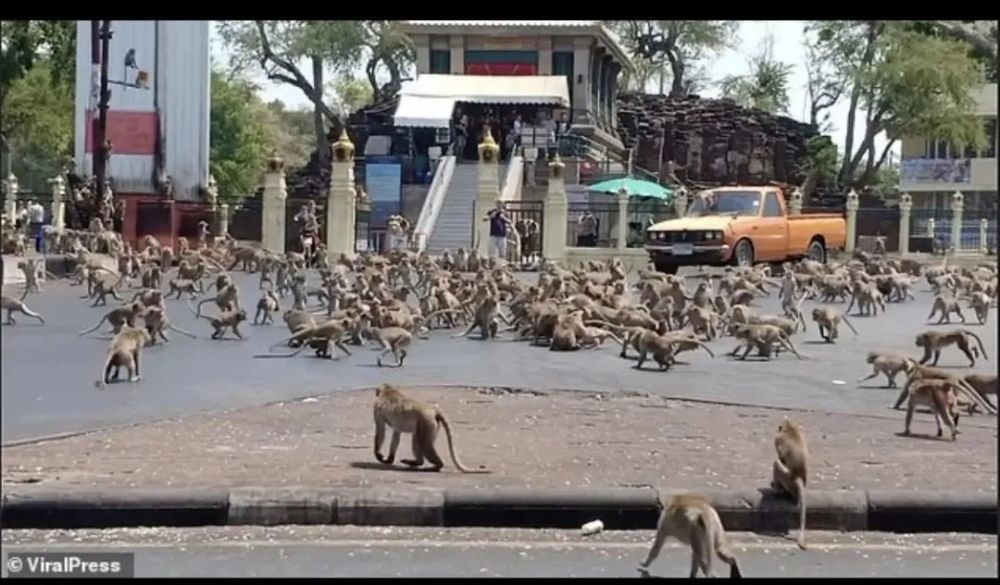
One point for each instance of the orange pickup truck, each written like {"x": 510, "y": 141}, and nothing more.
{"x": 742, "y": 226}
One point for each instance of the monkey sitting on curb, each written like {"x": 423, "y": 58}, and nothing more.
{"x": 403, "y": 414}
{"x": 790, "y": 467}
{"x": 692, "y": 520}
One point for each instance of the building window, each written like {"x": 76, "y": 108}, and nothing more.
{"x": 441, "y": 61}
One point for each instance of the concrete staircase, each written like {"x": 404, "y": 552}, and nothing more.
{"x": 453, "y": 228}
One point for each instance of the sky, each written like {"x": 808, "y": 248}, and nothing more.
{"x": 788, "y": 47}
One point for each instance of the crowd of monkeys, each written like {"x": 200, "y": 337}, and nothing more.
{"x": 395, "y": 298}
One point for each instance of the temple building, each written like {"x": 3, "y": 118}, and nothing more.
{"x": 541, "y": 72}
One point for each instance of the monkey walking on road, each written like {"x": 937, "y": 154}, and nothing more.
{"x": 403, "y": 414}
{"x": 692, "y": 520}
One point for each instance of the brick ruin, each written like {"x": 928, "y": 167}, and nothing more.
{"x": 715, "y": 142}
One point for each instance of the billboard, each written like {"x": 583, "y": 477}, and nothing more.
{"x": 923, "y": 170}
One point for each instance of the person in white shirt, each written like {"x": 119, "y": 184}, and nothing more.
{"x": 36, "y": 217}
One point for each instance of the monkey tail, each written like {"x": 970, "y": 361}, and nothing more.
{"x": 801, "y": 485}
{"x": 980, "y": 342}
{"x": 102, "y": 380}
{"x": 95, "y": 327}
{"x": 440, "y": 418}
{"x": 706, "y": 348}
{"x": 173, "y": 327}
{"x": 848, "y": 323}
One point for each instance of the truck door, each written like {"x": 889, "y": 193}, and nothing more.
{"x": 771, "y": 231}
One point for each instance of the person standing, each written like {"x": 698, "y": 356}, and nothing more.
{"x": 499, "y": 224}
{"x": 461, "y": 137}
{"x": 36, "y": 217}
{"x": 586, "y": 230}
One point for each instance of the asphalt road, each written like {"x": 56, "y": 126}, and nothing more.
{"x": 48, "y": 371}
{"x": 345, "y": 551}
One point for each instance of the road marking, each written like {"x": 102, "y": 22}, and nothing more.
{"x": 813, "y": 546}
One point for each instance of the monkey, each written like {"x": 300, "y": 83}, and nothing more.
{"x": 485, "y": 317}
{"x": 934, "y": 341}
{"x": 793, "y": 310}
{"x": 152, "y": 277}
{"x": 318, "y": 337}
{"x": 102, "y": 288}
{"x": 157, "y": 323}
{"x": 947, "y": 306}
{"x": 980, "y": 303}
{"x": 183, "y": 285}
{"x": 568, "y": 328}
{"x": 939, "y": 395}
{"x": 761, "y": 336}
{"x": 150, "y": 297}
{"x": 702, "y": 320}
{"x": 982, "y": 384}
{"x": 228, "y": 299}
{"x": 221, "y": 281}
{"x": 297, "y": 320}
{"x": 919, "y": 372}
{"x": 787, "y": 326}
{"x": 30, "y": 270}
{"x": 225, "y": 320}
{"x": 125, "y": 350}
{"x": 393, "y": 340}
{"x": 10, "y": 304}
{"x": 692, "y": 520}
{"x": 869, "y": 299}
{"x": 267, "y": 304}
{"x": 790, "y": 467}
{"x": 827, "y": 320}
{"x": 403, "y": 414}
{"x": 890, "y": 364}
{"x": 118, "y": 317}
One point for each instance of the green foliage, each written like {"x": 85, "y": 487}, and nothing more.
{"x": 240, "y": 140}
{"x": 765, "y": 86}
{"x": 352, "y": 94}
{"x": 822, "y": 157}
{"x": 37, "y": 66}
{"x": 903, "y": 81}
{"x": 292, "y": 132}
{"x": 679, "y": 45}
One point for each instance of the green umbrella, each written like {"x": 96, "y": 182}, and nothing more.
{"x": 634, "y": 188}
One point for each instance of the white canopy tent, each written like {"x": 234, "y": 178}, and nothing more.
{"x": 429, "y": 101}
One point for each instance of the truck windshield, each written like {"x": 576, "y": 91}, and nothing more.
{"x": 725, "y": 203}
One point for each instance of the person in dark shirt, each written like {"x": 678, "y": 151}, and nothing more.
{"x": 499, "y": 224}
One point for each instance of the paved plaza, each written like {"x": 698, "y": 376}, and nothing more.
{"x": 48, "y": 371}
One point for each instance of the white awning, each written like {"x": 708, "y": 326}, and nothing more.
{"x": 429, "y": 101}
{"x": 415, "y": 111}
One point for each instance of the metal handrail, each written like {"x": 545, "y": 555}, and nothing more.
{"x": 432, "y": 204}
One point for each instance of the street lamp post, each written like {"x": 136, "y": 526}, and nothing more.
{"x": 103, "y": 146}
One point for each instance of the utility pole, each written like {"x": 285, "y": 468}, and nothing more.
{"x": 102, "y": 151}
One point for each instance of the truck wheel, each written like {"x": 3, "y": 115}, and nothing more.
{"x": 666, "y": 268}
{"x": 743, "y": 254}
{"x": 816, "y": 251}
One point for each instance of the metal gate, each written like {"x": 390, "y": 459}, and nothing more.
{"x": 528, "y": 218}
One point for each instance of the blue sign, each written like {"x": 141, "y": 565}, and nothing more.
{"x": 383, "y": 182}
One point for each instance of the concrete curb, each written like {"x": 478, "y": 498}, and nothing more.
{"x": 620, "y": 509}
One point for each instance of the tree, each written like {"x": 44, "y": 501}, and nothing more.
{"x": 824, "y": 83}
{"x": 680, "y": 43}
{"x": 390, "y": 50}
{"x": 38, "y": 125}
{"x": 352, "y": 94}
{"x": 292, "y": 133}
{"x": 904, "y": 82}
{"x": 239, "y": 139}
{"x": 25, "y": 44}
{"x": 765, "y": 86}
{"x": 278, "y": 47}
